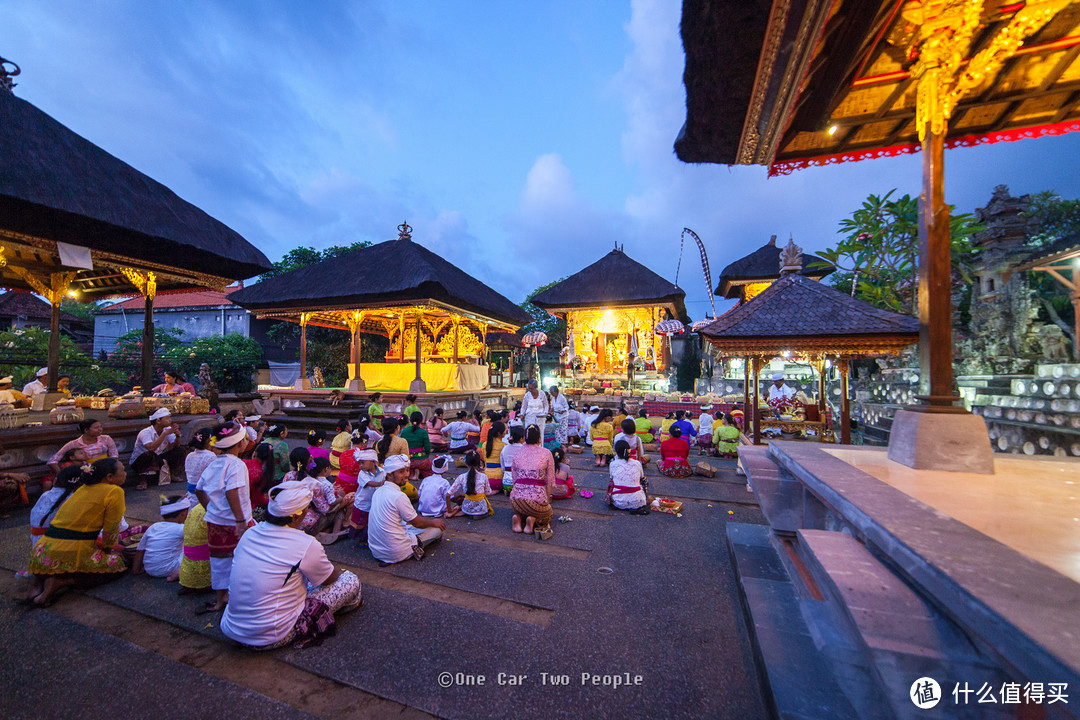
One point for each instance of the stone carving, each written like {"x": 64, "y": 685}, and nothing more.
{"x": 790, "y": 258}
{"x": 1055, "y": 346}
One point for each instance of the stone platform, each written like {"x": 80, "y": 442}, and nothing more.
{"x": 896, "y": 573}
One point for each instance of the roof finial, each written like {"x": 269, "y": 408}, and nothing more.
{"x": 772, "y": 241}
{"x": 404, "y": 231}
{"x": 790, "y": 258}
{"x": 8, "y": 70}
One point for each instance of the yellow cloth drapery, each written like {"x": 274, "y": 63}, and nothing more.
{"x": 440, "y": 377}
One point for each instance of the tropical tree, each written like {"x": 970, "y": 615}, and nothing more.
{"x": 1052, "y": 218}
{"x": 543, "y": 321}
{"x": 877, "y": 260}
{"x": 24, "y": 350}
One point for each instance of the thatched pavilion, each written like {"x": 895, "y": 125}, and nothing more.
{"x": 750, "y": 274}
{"x": 435, "y": 315}
{"x": 610, "y": 302}
{"x": 797, "y": 315}
{"x": 77, "y": 222}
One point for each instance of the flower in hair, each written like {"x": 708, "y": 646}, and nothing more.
{"x": 87, "y": 468}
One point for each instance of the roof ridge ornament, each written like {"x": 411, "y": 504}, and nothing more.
{"x": 8, "y": 70}
{"x": 790, "y": 258}
{"x": 404, "y": 231}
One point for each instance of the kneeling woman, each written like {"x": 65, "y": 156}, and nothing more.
{"x": 534, "y": 478}
{"x": 71, "y": 550}
{"x": 626, "y": 491}
{"x": 269, "y": 605}
{"x": 675, "y": 454}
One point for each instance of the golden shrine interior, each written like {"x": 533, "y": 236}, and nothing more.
{"x": 602, "y": 340}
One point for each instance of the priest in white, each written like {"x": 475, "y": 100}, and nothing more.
{"x": 534, "y": 406}
{"x": 779, "y": 389}
{"x": 37, "y": 385}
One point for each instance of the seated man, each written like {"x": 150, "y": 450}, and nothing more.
{"x": 269, "y": 603}
{"x": 388, "y": 539}
{"x": 10, "y": 395}
{"x": 157, "y": 444}
{"x": 37, "y": 386}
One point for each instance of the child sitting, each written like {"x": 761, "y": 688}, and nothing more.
{"x": 348, "y": 466}
{"x": 326, "y": 513}
{"x": 162, "y": 545}
{"x": 506, "y": 457}
{"x": 628, "y": 432}
{"x": 435, "y": 489}
{"x": 551, "y": 429}
{"x": 369, "y": 476}
{"x": 564, "y": 481}
{"x": 471, "y": 490}
{"x": 68, "y": 481}
{"x": 315, "y": 440}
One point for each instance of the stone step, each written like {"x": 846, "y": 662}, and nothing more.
{"x": 797, "y": 679}
{"x": 900, "y": 633}
{"x": 781, "y": 496}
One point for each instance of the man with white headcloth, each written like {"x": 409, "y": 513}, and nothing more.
{"x": 388, "y": 538}
{"x": 37, "y": 385}
{"x": 270, "y": 605}
{"x": 779, "y": 388}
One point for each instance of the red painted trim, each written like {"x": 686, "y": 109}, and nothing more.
{"x": 786, "y": 167}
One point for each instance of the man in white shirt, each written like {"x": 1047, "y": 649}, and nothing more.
{"x": 388, "y": 539}
{"x": 162, "y": 545}
{"x": 10, "y": 395}
{"x": 587, "y": 421}
{"x": 534, "y": 406}
{"x": 779, "y": 388}
{"x": 155, "y": 445}
{"x": 37, "y": 385}
{"x": 274, "y": 563}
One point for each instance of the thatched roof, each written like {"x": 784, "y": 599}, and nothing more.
{"x": 389, "y": 274}
{"x": 56, "y": 185}
{"x": 761, "y": 265}
{"x": 613, "y": 280}
{"x": 797, "y": 313}
{"x": 722, "y": 40}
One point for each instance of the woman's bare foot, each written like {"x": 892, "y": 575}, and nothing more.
{"x": 515, "y": 524}
{"x": 529, "y": 525}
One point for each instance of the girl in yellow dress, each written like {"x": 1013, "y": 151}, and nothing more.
{"x": 601, "y": 433}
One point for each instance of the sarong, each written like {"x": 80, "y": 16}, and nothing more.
{"x": 221, "y": 540}
{"x": 471, "y": 506}
{"x": 562, "y": 429}
{"x": 569, "y": 483}
{"x": 346, "y": 484}
{"x": 533, "y": 509}
{"x": 675, "y": 467}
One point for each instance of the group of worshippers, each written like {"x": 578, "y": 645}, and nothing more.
{"x": 37, "y": 386}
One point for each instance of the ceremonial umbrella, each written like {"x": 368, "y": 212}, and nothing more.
{"x": 534, "y": 340}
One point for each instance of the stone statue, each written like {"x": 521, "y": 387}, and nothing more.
{"x": 791, "y": 258}
{"x": 1055, "y": 347}
{"x": 207, "y": 387}
{"x": 317, "y": 379}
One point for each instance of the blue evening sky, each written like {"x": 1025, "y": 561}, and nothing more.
{"x": 522, "y": 140}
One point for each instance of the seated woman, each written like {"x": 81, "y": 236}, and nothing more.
{"x": 472, "y": 488}
{"x": 434, "y": 427}
{"x": 564, "y": 481}
{"x": 643, "y": 426}
{"x": 534, "y": 478}
{"x": 391, "y": 445}
{"x": 726, "y": 436}
{"x": 416, "y": 435}
{"x": 665, "y": 426}
{"x": 674, "y": 454}
{"x": 161, "y": 548}
{"x": 91, "y": 440}
{"x": 48, "y": 503}
{"x": 274, "y": 562}
{"x": 551, "y": 434}
{"x": 195, "y": 565}
{"x": 70, "y": 549}
{"x": 626, "y": 491}
{"x": 628, "y": 432}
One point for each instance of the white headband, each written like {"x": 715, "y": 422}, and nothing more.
{"x": 289, "y": 498}
{"x": 182, "y": 504}
{"x": 395, "y": 462}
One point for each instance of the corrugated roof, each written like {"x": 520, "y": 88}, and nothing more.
{"x": 614, "y": 279}
{"x": 196, "y": 298}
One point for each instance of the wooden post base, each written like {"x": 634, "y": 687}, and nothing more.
{"x": 948, "y": 441}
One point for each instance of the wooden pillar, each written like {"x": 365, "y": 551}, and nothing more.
{"x": 822, "y": 404}
{"x": 845, "y": 403}
{"x": 54, "y": 347}
{"x": 935, "y": 280}
{"x": 419, "y": 357}
{"x": 748, "y": 415}
{"x": 1076, "y": 326}
{"x": 754, "y": 377}
{"x": 401, "y": 337}
{"x": 418, "y": 385}
{"x": 148, "y": 344}
{"x": 303, "y": 383}
{"x": 601, "y": 353}
{"x": 511, "y": 381}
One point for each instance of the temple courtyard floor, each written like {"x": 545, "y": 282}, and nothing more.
{"x": 616, "y": 616}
